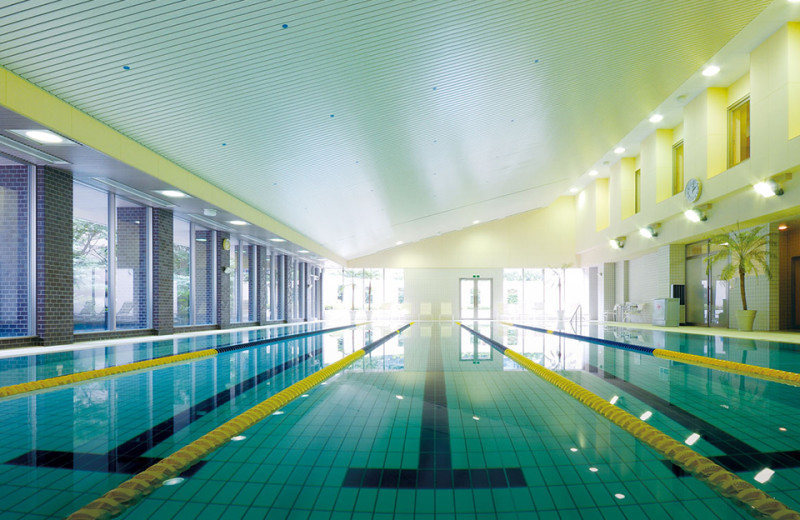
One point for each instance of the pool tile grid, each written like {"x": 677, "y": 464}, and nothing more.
{"x": 89, "y": 425}
{"x": 760, "y": 425}
{"x": 337, "y": 413}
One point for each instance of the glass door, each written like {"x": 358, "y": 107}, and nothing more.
{"x": 476, "y": 298}
{"x": 706, "y": 294}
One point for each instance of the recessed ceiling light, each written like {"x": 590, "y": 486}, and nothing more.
{"x": 656, "y": 118}
{"x": 573, "y": 190}
{"x": 210, "y": 212}
{"x": 237, "y": 222}
{"x": 711, "y": 70}
{"x": 303, "y": 251}
{"x": 592, "y": 173}
{"x": 277, "y": 240}
{"x": 619, "y": 149}
{"x": 476, "y": 221}
{"x": 399, "y": 243}
{"x": 173, "y": 194}
{"x": 44, "y": 136}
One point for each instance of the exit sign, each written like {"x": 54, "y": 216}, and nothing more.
{"x": 476, "y": 276}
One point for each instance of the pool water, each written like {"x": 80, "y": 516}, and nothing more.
{"x": 432, "y": 424}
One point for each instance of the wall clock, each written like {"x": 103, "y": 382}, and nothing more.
{"x": 692, "y": 190}
{"x": 226, "y": 244}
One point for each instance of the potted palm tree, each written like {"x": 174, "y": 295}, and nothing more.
{"x": 748, "y": 255}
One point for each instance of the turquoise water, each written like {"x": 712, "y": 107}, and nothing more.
{"x": 433, "y": 424}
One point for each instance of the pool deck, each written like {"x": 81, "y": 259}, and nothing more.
{"x": 779, "y": 336}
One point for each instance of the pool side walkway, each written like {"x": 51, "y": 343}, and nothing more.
{"x": 779, "y": 336}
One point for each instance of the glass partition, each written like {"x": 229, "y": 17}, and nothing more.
{"x": 90, "y": 258}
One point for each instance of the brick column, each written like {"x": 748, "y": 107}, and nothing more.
{"x": 163, "y": 315}
{"x": 54, "y": 291}
{"x": 223, "y": 283}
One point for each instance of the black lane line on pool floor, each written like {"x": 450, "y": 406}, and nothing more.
{"x": 127, "y": 457}
{"x": 738, "y": 455}
{"x": 435, "y": 457}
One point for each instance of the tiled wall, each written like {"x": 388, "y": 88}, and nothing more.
{"x": 14, "y": 254}
{"x": 163, "y": 322}
{"x": 223, "y": 282}
{"x": 54, "y": 288}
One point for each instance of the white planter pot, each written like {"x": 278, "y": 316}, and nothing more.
{"x": 745, "y": 319}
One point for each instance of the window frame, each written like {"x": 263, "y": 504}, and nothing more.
{"x": 732, "y": 109}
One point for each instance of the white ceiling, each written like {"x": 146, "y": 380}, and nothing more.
{"x": 360, "y": 124}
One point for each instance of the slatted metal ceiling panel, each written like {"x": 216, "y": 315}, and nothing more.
{"x": 362, "y": 123}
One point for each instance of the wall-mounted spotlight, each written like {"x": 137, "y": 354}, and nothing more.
{"x": 650, "y": 231}
{"x": 227, "y": 269}
{"x": 617, "y": 243}
{"x": 695, "y": 215}
{"x": 768, "y": 188}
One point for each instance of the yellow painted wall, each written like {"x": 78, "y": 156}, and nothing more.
{"x": 658, "y": 149}
{"x": 624, "y": 172}
{"x": 535, "y": 238}
{"x": 793, "y": 79}
{"x": 602, "y": 204}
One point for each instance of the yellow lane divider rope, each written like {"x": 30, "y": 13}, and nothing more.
{"x": 767, "y": 374}
{"x": 727, "y": 484}
{"x": 79, "y": 377}
{"x": 134, "y": 489}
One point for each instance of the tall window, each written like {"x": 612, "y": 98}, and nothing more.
{"x": 677, "y": 168}
{"x": 90, "y": 258}
{"x": 14, "y": 255}
{"x": 637, "y": 191}
{"x": 234, "y": 251}
{"x": 203, "y": 277}
{"x": 739, "y": 132}
{"x": 181, "y": 272}
{"x": 131, "y": 267}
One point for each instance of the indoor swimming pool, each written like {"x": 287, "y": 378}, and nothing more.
{"x": 433, "y": 423}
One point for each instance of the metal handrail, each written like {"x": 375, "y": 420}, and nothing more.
{"x": 577, "y": 314}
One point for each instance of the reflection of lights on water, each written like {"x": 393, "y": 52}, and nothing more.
{"x": 782, "y": 429}
{"x": 725, "y": 406}
{"x": 619, "y": 496}
{"x": 691, "y": 439}
{"x": 399, "y": 397}
{"x": 764, "y": 475}
{"x": 614, "y": 399}
{"x": 646, "y": 415}
{"x": 174, "y": 481}
{"x": 593, "y": 470}
{"x": 476, "y": 417}
{"x": 279, "y": 412}
{"x": 573, "y": 450}
{"x": 238, "y": 438}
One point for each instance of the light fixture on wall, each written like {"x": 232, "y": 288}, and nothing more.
{"x": 650, "y": 231}
{"x": 617, "y": 243}
{"x": 227, "y": 269}
{"x": 695, "y": 215}
{"x": 768, "y": 188}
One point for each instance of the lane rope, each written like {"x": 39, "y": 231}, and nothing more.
{"x": 724, "y": 482}
{"x": 79, "y": 377}
{"x": 767, "y": 374}
{"x": 134, "y": 489}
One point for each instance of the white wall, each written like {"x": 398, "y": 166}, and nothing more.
{"x": 435, "y": 286}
